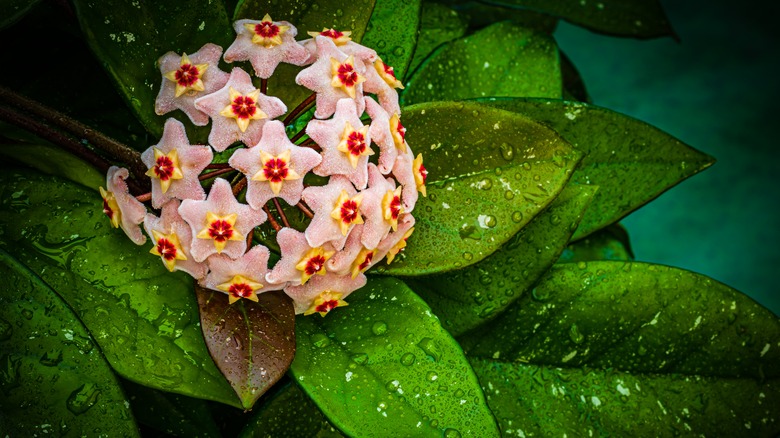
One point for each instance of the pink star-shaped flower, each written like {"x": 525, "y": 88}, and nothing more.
{"x": 395, "y": 242}
{"x": 172, "y": 239}
{"x": 238, "y": 111}
{"x": 403, "y": 172}
{"x": 333, "y": 288}
{"x": 359, "y": 51}
{"x": 174, "y": 165}
{"x": 265, "y": 44}
{"x": 377, "y": 224}
{"x": 186, "y": 78}
{"x": 275, "y": 167}
{"x": 122, "y": 209}
{"x": 355, "y": 258}
{"x": 380, "y": 132}
{"x": 243, "y": 277}
{"x": 380, "y": 80}
{"x": 335, "y": 75}
{"x": 345, "y": 143}
{"x": 336, "y": 208}
{"x": 300, "y": 261}
{"x": 219, "y": 224}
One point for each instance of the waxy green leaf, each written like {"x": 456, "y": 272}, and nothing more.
{"x": 52, "y": 160}
{"x": 129, "y": 37}
{"x": 573, "y": 85}
{"x": 392, "y": 32}
{"x": 470, "y": 67}
{"x": 468, "y": 297}
{"x": 252, "y": 343}
{"x": 630, "y": 18}
{"x": 481, "y": 15}
{"x": 610, "y": 243}
{"x": 438, "y": 25}
{"x": 144, "y": 318}
{"x": 384, "y": 363}
{"x": 489, "y": 173}
{"x": 631, "y": 162}
{"x": 14, "y": 10}
{"x": 634, "y": 317}
{"x": 534, "y": 400}
{"x": 52, "y": 378}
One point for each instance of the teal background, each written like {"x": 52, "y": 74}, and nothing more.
{"x": 714, "y": 90}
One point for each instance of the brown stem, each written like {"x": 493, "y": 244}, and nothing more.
{"x": 205, "y": 176}
{"x": 301, "y": 206}
{"x": 281, "y": 213}
{"x": 271, "y": 219}
{"x": 218, "y": 166}
{"x": 264, "y": 86}
{"x": 239, "y": 186}
{"x": 298, "y": 135}
{"x": 145, "y": 197}
{"x": 311, "y": 144}
{"x": 249, "y": 238}
{"x": 114, "y": 148}
{"x": 305, "y": 105}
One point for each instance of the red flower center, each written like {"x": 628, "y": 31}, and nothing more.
{"x": 347, "y": 75}
{"x": 388, "y": 70}
{"x": 356, "y": 143}
{"x": 349, "y": 211}
{"x": 423, "y": 173}
{"x": 267, "y": 29}
{"x": 395, "y": 207}
{"x": 314, "y": 265}
{"x": 107, "y": 210}
{"x": 186, "y": 75}
{"x": 327, "y": 306}
{"x": 166, "y": 249}
{"x": 240, "y": 290}
{"x": 275, "y": 170}
{"x": 366, "y": 261}
{"x": 401, "y": 130}
{"x": 332, "y": 33}
{"x": 244, "y": 107}
{"x": 164, "y": 168}
{"x": 220, "y": 230}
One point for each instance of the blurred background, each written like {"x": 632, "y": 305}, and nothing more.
{"x": 714, "y": 90}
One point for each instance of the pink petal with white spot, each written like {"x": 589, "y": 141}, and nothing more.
{"x": 213, "y": 79}
{"x": 322, "y": 201}
{"x": 387, "y": 95}
{"x": 224, "y": 130}
{"x": 192, "y": 160}
{"x": 274, "y": 142}
{"x": 265, "y": 59}
{"x": 376, "y": 226}
{"x": 381, "y": 135}
{"x": 253, "y": 265}
{"x": 132, "y": 212}
{"x": 402, "y": 171}
{"x": 220, "y": 202}
{"x": 303, "y": 296}
{"x": 328, "y": 133}
{"x": 170, "y": 222}
{"x": 293, "y": 246}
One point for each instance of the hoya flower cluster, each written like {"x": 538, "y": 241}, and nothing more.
{"x": 361, "y": 216}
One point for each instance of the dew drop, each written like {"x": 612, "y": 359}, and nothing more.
{"x": 508, "y": 195}
{"x": 83, "y": 398}
{"x": 431, "y": 376}
{"x": 398, "y": 51}
{"x": 428, "y": 345}
{"x": 490, "y": 221}
{"x": 379, "y": 328}
{"x": 575, "y": 335}
{"x": 540, "y": 294}
{"x": 507, "y": 152}
{"x": 51, "y": 358}
{"x": 6, "y": 330}
{"x": 485, "y": 279}
{"x": 451, "y": 433}
{"x": 486, "y": 184}
{"x": 320, "y": 340}
{"x": 468, "y": 255}
{"x": 555, "y": 219}
{"x": 407, "y": 359}
{"x": 27, "y": 313}
{"x": 517, "y": 216}
{"x": 360, "y": 358}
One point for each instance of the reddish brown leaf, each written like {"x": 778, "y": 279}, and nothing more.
{"x": 252, "y": 343}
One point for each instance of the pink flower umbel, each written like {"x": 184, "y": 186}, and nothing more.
{"x": 300, "y": 261}
{"x": 238, "y": 111}
{"x": 265, "y": 44}
{"x": 220, "y": 224}
{"x": 186, "y": 78}
{"x": 345, "y": 144}
{"x": 355, "y": 258}
{"x": 411, "y": 173}
{"x": 122, "y": 209}
{"x": 381, "y": 80}
{"x": 336, "y": 209}
{"x": 172, "y": 237}
{"x": 174, "y": 165}
{"x": 381, "y": 132}
{"x": 395, "y": 242}
{"x": 243, "y": 277}
{"x": 343, "y": 42}
{"x": 275, "y": 167}
{"x": 381, "y": 207}
{"x": 324, "y": 293}
{"x": 334, "y": 76}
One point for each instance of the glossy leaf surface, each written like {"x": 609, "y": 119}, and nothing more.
{"x": 470, "y": 67}
{"x": 482, "y": 14}
{"x": 52, "y": 160}
{"x": 392, "y": 32}
{"x": 438, "y": 25}
{"x": 634, "y": 317}
{"x": 534, "y": 400}
{"x": 489, "y": 173}
{"x": 144, "y": 318}
{"x": 252, "y": 343}
{"x": 53, "y": 379}
{"x": 610, "y": 243}
{"x": 384, "y": 363}
{"x": 129, "y": 37}
{"x": 631, "y": 162}
{"x": 472, "y": 296}
{"x": 630, "y": 18}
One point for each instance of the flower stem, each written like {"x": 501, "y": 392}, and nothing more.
{"x": 298, "y": 135}
{"x": 302, "y": 107}
{"x": 301, "y": 206}
{"x": 271, "y": 219}
{"x": 239, "y": 186}
{"x": 205, "y": 176}
{"x": 281, "y": 213}
{"x": 264, "y": 86}
{"x": 218, "y": 166}
{"x": 145, "y": 197}
{"x": 309, "y": 143}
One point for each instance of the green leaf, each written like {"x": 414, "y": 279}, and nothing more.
{"x": 629, "y": 18}
{"x": 306, "y": 16}
{"x": 533, "y": 400}
{"x": 130, "y": 46}
{"x": 170, "y": 413}
{"x": 392, "y": 32}
{"x": 54, "y": 161}
{"x": 631, "y": 162}
{"x": 469, "y": 297}
{"x": 610, "y": 243}
{"x": 573, "y": 85}
{"x": 501, "y": 60}
{"x": 482, "y": 15}
{"x": 634, "y": 317}
{"x": 14, "y": 10}
{"x": 489, "y": 173}
{"x": 289, "y": 412}
{"x": 253, "y": 344}
{"x": 438, "y": 25}
{"x": 384, "y": 363}
{"x": 52, "y": 378}
{"x": 143, "y": 317}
